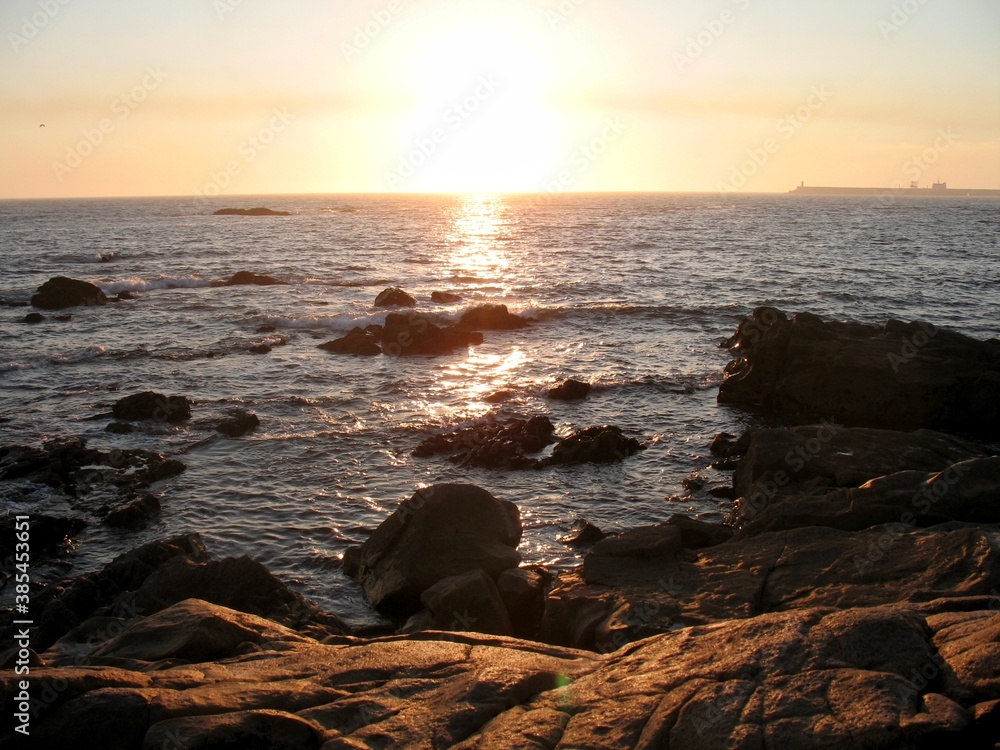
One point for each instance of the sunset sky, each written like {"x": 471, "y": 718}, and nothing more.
{"x": 235, "y": 97}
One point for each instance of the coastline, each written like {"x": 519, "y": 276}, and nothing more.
{"x": 852, "y": 595}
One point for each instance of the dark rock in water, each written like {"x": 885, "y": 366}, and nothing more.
{"x": 61, "y": 292}
{"x": 50, "y": 535}
{"x": 268, "y": 328}
{"x": 152, "y": 406}
{"x": 499, "y": 397}
{"x": 239, "y": 423}
{"x": 598, "y": 445}
{"x": 570, "y": 390}
{"x": 467, "y": 602}
{"x": 62, "y": 318}
{"x": 582, "y": 533}
{"x": 441, "y": 531}
{"x": 358, "y": 342}
{"x": 34, "y": 318}
{"x": 250, "y": 212}
{"x": 445, "y": 298}
{"x": 723, "y": 445}
{"x": 245, "y": 278}
{"x": 134, "y": 515}
{"x": 108, "y": 257}
{"x": 694, "y": 481}
{"x": 394, "y": 297}
{"x": 491, "y": 444}
{"x": 125, "y": 296}
{"x": 68, "y": 464}
{"x": 901, "y": 376}
{"x": 260, "y": 349}
{"x": 120, "y": 428}
{"x": 415, "y": 334}
{"x": 352, "y": 561}
{"x": 491, "y": 318}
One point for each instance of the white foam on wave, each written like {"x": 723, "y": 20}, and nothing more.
{"x": 81, "y": 355}
{"x": 138, "y": 284}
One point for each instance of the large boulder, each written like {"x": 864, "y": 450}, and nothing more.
{"x": 414, "y": 334}
{"x": 441, "y": 531}
{"x": 394, "y": 296}
{"x": 61, "y": 292}
{"x": 469, "y": 602}
{"x": 152, "y": 406}
{"x": 900, "y": 376}
{"x": 491, "y": 318}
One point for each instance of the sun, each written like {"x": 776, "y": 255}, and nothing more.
{"x": 482, "y": 118}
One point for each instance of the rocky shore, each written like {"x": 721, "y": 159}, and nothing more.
{"x": 850, "y": 600}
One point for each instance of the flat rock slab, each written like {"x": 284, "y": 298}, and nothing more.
{"x": 619, "y": 599}
{"x": 887, "y": 677}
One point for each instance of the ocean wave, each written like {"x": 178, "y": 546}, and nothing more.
{"x": 667, "y": 312}
{"x": 350, "y": 282}
{"x": 138, "y": 284}
{"x": 342, "y": 322}
{"x": 74, "y": 357}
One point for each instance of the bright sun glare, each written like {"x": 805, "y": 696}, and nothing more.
{"x": 482, "y": 120}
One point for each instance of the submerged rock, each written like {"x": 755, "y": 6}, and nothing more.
{"x": 61, "y": 292}
{"x": 34, "y": 318}
{"x": 570, "y": 390}
{"x": 238, "y": 423}
{"x": 491, "y": 318}
{"x": 245, "y": 278}
{"x": 901, "y": 376}
{"x": 394, "y": 296}
{"x": 441, "y": 531}
{"x": 445, "y": 298}
{"x": 414, "y": 334}
{"x": 598, "y": 445}
{"x": 582, "y": 533}
{"x": 250, "y": 212}
{"x": 152, "y": 406}
{"x": 358, "y": 341}
{"x": 492, "y": 444}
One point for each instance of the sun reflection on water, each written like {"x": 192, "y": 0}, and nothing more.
{"x": 479, "y": 231}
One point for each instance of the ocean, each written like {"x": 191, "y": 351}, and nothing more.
{"x": 633, "y": 293}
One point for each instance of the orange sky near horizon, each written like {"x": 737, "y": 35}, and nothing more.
{"x": 238, "y": 97}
